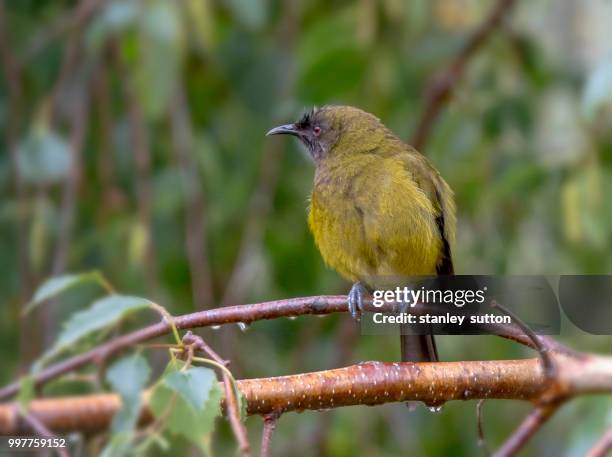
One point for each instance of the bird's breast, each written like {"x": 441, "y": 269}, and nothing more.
{"x": 367, "y": 222}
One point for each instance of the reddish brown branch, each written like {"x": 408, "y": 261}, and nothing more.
{"x": 219, "y": 316}
{"x": 441, "y": 86}
{"x": 369, "y": 383}
{"x": 270, "y": 421}
{"x": 317, "y": 305}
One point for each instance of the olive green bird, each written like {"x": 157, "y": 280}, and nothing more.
{"x": 378, "y": 208}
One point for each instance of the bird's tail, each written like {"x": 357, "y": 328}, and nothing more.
{"x": 418, "y": 348}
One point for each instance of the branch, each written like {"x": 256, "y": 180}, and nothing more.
{"x": 40, "y": 429}
{"x": 195, "y": 342}
{"x": 64, "y": 23}
{"x": 441, "y": 86}
{"x": 482, "y": 441}
{"x": 530, "y": 425}
{"x": 316, "y": 305}
{"x": 142, "y": 162}
{"x": 243, "y": 274}
{"x": 270, "y": 421}
{"x": 196, "y": 232}
{"x": 368, "y": 383}
{"x": 603, "y": 446}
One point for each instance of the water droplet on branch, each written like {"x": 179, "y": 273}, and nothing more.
{"x": 243, "y": 326}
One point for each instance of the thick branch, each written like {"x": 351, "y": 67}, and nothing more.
{"x": 368, "y": 383}
{"x": 316, "y": 305}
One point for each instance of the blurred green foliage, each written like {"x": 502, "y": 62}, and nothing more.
{"x": 155, "y": 111}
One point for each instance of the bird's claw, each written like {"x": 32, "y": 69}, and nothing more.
{"x": 355, "y": 300}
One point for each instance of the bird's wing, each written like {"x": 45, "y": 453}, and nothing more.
{"x": 399, "y": 220}
{"x": 440, "y": 195}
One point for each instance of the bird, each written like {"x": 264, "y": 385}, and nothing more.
{"x": 378, "y": 207}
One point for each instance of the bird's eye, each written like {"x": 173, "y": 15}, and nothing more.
{"x": 316, "y": 130}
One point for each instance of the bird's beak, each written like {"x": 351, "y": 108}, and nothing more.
{"x": 287, "y": 129}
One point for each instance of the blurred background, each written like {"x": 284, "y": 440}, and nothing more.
{"x": 133, "y": 144}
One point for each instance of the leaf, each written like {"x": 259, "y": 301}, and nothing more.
{"x": 55, "y": 286}
{"x": 117, "y": 446}
{"x": 188, "y": 401}
{"x": 128, "y": 377}
{"x": 43, "y": 157}
{"x": 26, "y": 392}
{"x": 102, "y": 313}
{"x": 189, "y": 384}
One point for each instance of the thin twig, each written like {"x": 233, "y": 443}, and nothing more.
{"x": 139, "y": 138}
{"x": 482, "y": 442}
{"x": 441, "y": 86}
{"x": 260, "y": 205}
{"x": 61, "y": 25}
{"x": 539, "y": 345}
{"x": 195, "y": 210}
{"x": 39, "y": 428}
{"x": 530, "y": 425}
{"x": 112, "y": 196}
{"x": 603, "y": 446}
{"x": 270, "y": 421}
{"x": 70, "y": 199}
{"x": 346, "y": 341}
{"x": 193, "y": 341}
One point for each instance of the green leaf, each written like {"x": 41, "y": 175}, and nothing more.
{"x": 189, "y": 402}
{"x": 193, "y": 384}
{"x": 43, "y": 157}
{"x": 26, "y": 392}
{"x": 102, "y": 313}
{"x": 55, "y": 286}
{"x": 117, "y": 446}
{"x": 128, "y": 377}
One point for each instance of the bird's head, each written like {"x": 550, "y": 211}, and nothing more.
{"x": 333, "y": 130}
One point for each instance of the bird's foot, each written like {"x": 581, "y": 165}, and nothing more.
{"x": 355, "y": 300}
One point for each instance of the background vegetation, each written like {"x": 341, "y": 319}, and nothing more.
{"x": 134, "y": 145}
